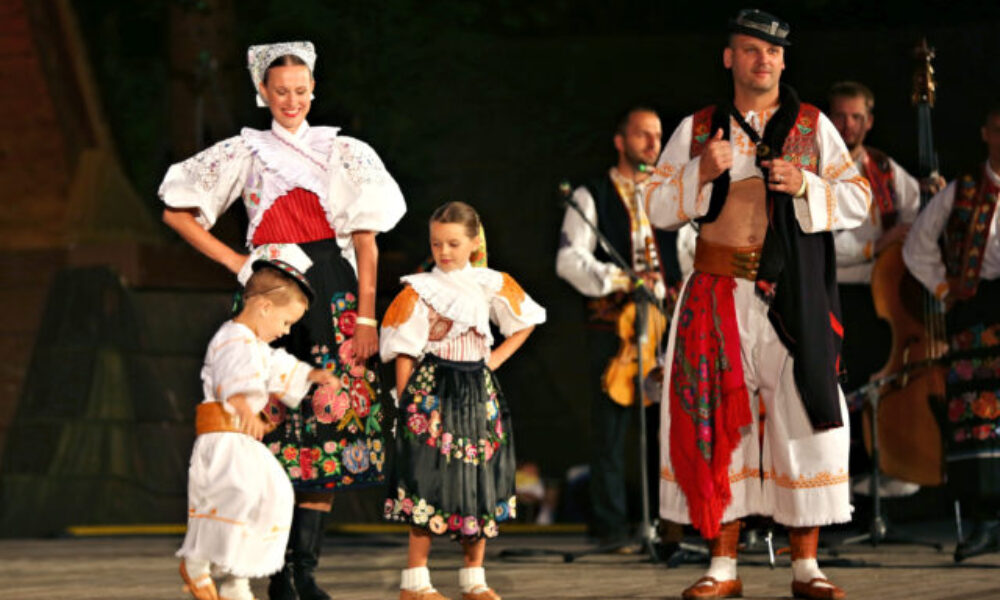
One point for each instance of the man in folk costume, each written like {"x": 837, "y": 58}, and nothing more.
{"x": 753, "y": 420}
{"x": 895, "y": 203}
{"x": 953, "y": 249}
{"x": 612, "y": 201}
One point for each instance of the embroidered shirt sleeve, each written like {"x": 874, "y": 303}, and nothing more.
{"x": 405, "y": 327}
{"x": 921, "y": 251}
{"x": 512, "y": 309}
{"x": 209, "y": 181}
{"x": 575, "y": 261}
{"x": 287, "y": 377}
{"x": 674, "y": 195}
{"x": 364, "y": 197}
{"x": 838, "y": 197}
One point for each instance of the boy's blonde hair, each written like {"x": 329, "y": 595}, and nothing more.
{"x": 278, "y": 287}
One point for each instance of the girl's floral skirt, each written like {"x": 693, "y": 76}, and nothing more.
{"x": 454, "y": 467}
{"x": 333, "y": 441}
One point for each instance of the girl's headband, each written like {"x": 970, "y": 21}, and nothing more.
{"x": 261, "y": 56}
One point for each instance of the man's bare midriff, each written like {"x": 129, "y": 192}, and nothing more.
{"x": 743, "y": 220}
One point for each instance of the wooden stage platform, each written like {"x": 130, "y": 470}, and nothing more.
{"x": 366, "y": 567}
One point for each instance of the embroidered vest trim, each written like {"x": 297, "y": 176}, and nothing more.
{"x": 967, "y": 230}
{"x": 800, "y": 147}
{"x": 878, "y": 171}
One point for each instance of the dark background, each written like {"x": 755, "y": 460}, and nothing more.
{"x": 495, "y": 102}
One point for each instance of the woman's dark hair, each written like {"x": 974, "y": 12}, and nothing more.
{"x": 285, "y": 60}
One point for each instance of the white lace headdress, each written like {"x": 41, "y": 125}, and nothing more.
{"x": 260, "y": 56}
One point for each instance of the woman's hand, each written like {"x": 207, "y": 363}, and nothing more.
{"x": 365, "y": 342}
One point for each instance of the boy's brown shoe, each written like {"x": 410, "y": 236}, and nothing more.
{"x": 202, "y": 588}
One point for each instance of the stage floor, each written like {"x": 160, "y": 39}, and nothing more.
{"x": 366, "y": 567}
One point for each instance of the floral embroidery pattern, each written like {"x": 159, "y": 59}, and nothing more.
{"x": 204, "y": 168}
{"x": 410, "y": 508}
{"x": 361, "y": 163}
{"x": 357, "y": 455}
{"x": 973, "y": 386}
{"x": 422, "y": 419}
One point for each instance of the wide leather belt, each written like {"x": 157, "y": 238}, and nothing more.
{"x": 727, "y": 261}
{"x": 211, "y": 417}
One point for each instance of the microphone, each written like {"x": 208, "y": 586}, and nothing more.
{"x": 565, "y": 189}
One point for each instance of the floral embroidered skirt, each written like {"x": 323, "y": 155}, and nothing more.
{"x": 973, "y": 392}
{"x": 454, "y": 466}
{"x": 332, "y": 442}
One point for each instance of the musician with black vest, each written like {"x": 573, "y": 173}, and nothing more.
{"x": 612, "y": 202}
{"x": 753, "y": 420}
{"x": 953, "y": 249}
{"x": 895, "y": 203}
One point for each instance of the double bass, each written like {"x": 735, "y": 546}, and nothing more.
{"x": 910, "y": 441}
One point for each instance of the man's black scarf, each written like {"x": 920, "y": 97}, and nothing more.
{"x": 800, "y": 268}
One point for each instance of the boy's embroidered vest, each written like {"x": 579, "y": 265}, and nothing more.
{"x": 967, "y": 231}
{"x": 878, "y": 171}
{"x": 800, "y": 148}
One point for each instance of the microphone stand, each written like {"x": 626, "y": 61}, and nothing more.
{"x": 644, "y": 298}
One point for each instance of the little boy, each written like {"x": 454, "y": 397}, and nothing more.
{"x": 240, "y": 500}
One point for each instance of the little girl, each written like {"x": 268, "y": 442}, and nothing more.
{"x": 239, "y": 499}
{"x": 454, "y": 468}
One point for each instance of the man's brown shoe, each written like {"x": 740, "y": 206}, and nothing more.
{"x": 424, "y": 594}
{"x": 709, "y": 587}
{"x": 814, "y": 590}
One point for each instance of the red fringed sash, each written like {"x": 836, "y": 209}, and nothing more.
{"x": 708, "y": 398}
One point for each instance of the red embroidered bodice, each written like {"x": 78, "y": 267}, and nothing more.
{"x": 295, "y": 218}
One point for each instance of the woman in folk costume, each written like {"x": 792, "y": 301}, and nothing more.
{"x": 454, "y": 467}
{"x": 331, "y": 195}
{"x": 239, "y": 499}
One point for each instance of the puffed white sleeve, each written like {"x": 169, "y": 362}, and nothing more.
{"x": 405, "y": 327}
{"x": 365, "y": 197}
{"x": 575, "y": 261}
{"x": 838, "y": 197}
{"x": 512, "y": 309}
{"x": 287, "y": 377}
{"x": 674, "y": 196}
{"x": 233, "y": 366}
{"x": 209, "y": 181}
{"x": 921, "y": 251}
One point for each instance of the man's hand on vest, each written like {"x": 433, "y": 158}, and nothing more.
{"x": 783, "y": 176}
{"x": 715, "y": 159}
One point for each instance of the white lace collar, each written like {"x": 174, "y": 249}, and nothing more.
{"x": 299, "y": 160}
{"x": 462, "y": 295}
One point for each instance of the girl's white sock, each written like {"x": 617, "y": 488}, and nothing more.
{"x": 472, "y": 579}
{"x": 416, "y": 579}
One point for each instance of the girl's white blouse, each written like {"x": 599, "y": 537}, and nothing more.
{"x": 238, "y": 362}
{"x": 353, "y": 186}
{"x": 452, "y": 314}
